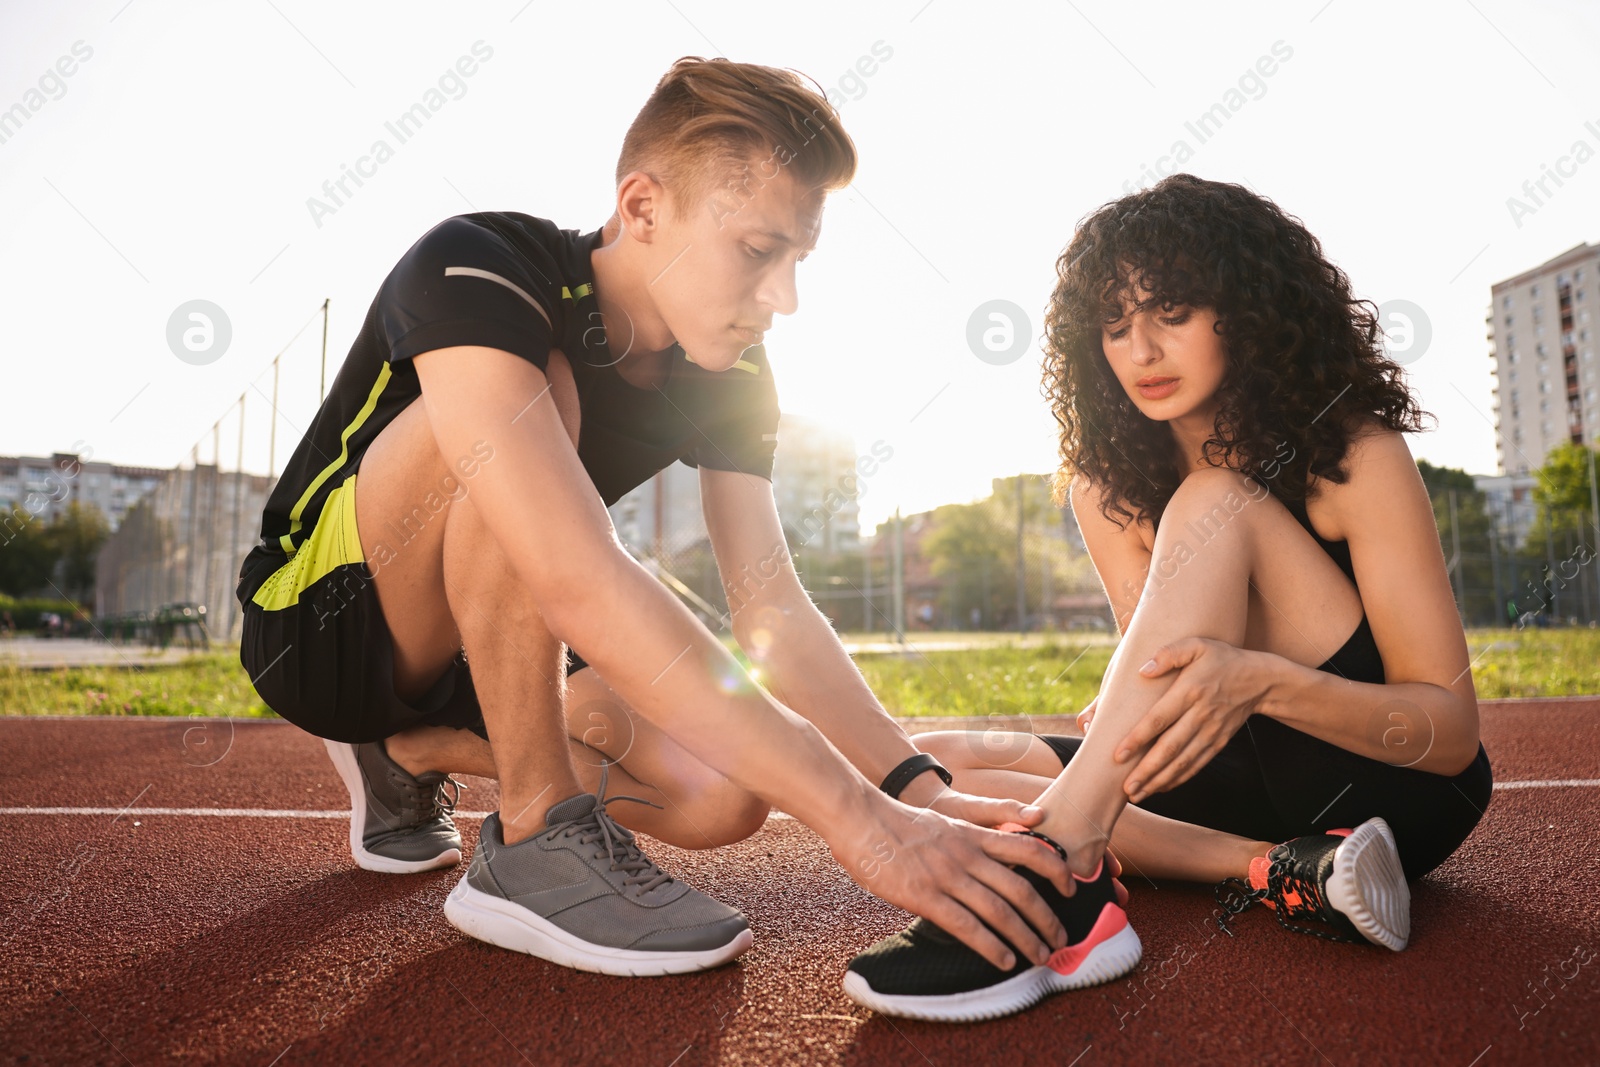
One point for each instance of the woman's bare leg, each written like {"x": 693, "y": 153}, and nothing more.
{"x": 1149, "y": 845}
{"x": 1226, "y": 557}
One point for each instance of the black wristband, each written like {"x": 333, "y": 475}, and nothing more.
{"x": 908, "y": 769}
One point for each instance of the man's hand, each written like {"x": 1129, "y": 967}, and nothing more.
{"x": 955, "y": 874}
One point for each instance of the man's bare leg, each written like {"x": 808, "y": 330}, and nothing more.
{"x": 699, "y": 808}
{"x": 447, "y": 586}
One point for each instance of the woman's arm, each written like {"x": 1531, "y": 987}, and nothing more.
{"x": 1426, "y": 716}
{"x": 1421, "y": 725}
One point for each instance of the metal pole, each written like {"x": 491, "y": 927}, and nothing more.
{"x": 899, "y": 578}
{"x": 1583, "y": 586}
{"x": 1594, "y": 514}
{"x": 322, "y": 388}
{"x": 188, "y": 541}
{"x": 1550, "y": 563}
{"x": 211, "y": 506}
{"x": 866, "y": 596}
{"x": 1455, "y": 562}
{"x": 238, "y": 502}
{"x": 1494, "y": 561}
{"x": 1022, "y": 567}
{"x": 272, "y": 434}
{"x": 1047, "y": 608}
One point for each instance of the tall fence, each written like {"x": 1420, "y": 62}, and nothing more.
{"x": 183, "y": 544}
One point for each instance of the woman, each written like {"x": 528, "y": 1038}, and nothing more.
{"x": 1290, "y": 712}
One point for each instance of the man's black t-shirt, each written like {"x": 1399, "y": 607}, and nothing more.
{"x": 506, "y": 280}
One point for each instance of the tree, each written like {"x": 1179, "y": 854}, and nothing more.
{"x": 75, "y": 537}
{"x": 1563, "y": 481}
{"x": 26, "y": 555}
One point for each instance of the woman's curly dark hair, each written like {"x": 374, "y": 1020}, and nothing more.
{"x": 1305, "y": 367}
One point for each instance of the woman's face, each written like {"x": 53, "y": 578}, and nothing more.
{"x": 1169, "y": 359}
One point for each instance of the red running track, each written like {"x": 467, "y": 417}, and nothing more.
{"x": 140, "y": 938}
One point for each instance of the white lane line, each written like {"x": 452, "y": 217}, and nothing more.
{"x": 1552, "y": 783}
{"x": 233, "y": 813}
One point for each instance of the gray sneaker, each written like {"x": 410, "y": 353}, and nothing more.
{"x": 399, "y": 824}
{"x": 581, "y": 893}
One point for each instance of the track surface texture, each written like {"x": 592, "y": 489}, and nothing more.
{"x": 133, "y": 937}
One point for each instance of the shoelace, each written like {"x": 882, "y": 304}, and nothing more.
{"x": 441, "y": 802}
{"x": 1235, "y": 896}
{"x": 625, "y": 855}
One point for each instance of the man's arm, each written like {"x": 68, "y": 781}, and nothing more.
{"x": 801, "y": 657}
{"x": 544, "y": 512}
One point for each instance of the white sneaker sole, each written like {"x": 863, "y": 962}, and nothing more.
{"x": 1369, "y": 886}
{"x": 1107, "y": 961}
{"x": 344, "y": 761}
{"x": 500, "y": 922}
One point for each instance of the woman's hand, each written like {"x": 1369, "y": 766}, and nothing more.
{"x": 1218, "y": 687}
{"x": 956, "y": 875}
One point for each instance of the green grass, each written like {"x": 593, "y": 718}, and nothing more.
{"x": 1005, "y": 682}
{"x": 211, "y": 683}
{"x": 1049, "y": 676}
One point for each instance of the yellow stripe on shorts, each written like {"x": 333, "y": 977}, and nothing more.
{"x": 334, "y": 541}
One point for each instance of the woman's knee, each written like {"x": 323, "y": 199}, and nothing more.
{"x": 1217, "y": 494}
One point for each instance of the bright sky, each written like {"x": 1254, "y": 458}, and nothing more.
{"x": 174, "y": 163}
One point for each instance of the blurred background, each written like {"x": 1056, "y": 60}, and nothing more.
{"x": 187, "y": 259}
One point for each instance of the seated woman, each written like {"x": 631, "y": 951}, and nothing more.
{"x": 1290, "y": 711}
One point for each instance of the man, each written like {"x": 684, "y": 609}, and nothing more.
{"x": 447, "y": 508}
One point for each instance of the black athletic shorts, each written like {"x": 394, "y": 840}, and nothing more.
{"x": 318, "y": 650}
{"x": 1271, "y": 782}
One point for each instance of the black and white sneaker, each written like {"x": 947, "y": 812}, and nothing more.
{"x": 1348, "y": 884}
{"x": 923, "y": 972}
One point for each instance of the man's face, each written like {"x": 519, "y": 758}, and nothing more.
{"x": 727, "y": 263}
